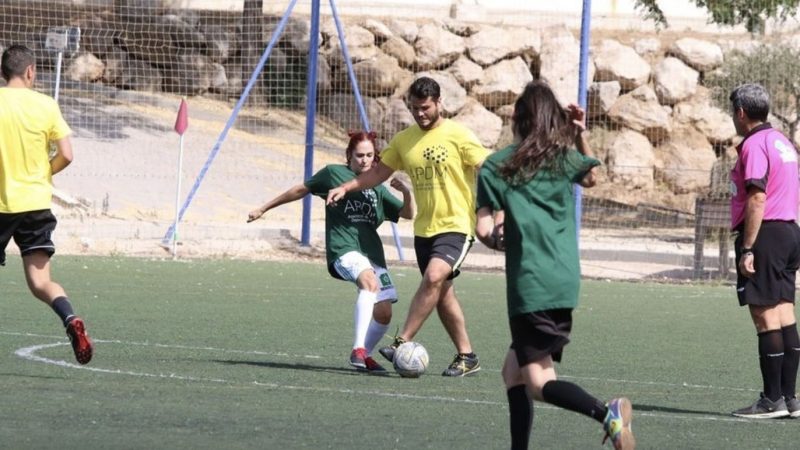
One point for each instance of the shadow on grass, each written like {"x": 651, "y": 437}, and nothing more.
{"x": 299, "y": 366}
{"x": 665, "y": 409}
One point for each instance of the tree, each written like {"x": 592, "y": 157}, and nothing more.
{"x": 751, "y": 13}
{"x": 774, "y": 66}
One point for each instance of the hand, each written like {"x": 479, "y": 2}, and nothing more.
{"x": 255, "y": 214}
{"x": 577, "y": 115}
{"x": 746, "y": 266}
{"x": 399, "y": 185}
{"x": 499, "y": 237}
{"x": 334, "y": 195}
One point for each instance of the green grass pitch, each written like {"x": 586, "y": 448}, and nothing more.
{"x": 253, "y": 355}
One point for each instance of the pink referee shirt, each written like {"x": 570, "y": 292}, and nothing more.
{"x": 768, "y": 161}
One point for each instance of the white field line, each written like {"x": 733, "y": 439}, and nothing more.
{"x": 29, "y": 353}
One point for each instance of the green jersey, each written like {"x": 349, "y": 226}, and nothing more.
{"x": 351, "y": 224}
{"x": 542, "y": 261}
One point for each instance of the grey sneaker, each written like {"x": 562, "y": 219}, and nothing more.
{"x": 388, "y": 351}
{"x": 462, "y": 365}
{"x": 763, "y": 408}
{"x": 793, "y": 406}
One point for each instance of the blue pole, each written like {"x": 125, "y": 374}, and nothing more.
{"x": 360, "y": 104}
{"x": 586, "y": 19}
{"x": 253, "y": 78}
{"x": 311, "y": 111}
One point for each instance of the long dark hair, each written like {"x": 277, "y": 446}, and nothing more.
{"x": 545, "y": 132}
{"x": 355, "y": 138}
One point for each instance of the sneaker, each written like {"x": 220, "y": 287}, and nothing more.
{"x": 617, "y": 424}
{"x": 373, "y": 366}
{"x": 763, "y": 408}
{"x": 793, "y": 406}
{"x": 357, "y": 358}
{"x": 388, "y": 351}
{"x": 81, "y": 344}
{"x": 462, "y": 365}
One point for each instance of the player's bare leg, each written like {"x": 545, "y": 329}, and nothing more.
{"x": 452, "y": 317}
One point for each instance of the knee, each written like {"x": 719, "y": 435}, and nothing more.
{"x": 511, "y": 376}
{"x": 382, "y": 313}
{"x": 369, "y": 283}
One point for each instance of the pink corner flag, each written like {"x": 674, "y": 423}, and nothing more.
{"x": 182, "y": 122}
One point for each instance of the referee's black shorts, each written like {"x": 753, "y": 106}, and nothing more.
{"x": 31, "y": 230}
{"x": 776, "y": 256}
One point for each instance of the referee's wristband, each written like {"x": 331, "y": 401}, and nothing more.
{"x": 746, "y": 250}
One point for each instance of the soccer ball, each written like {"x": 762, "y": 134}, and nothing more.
{"x": 410, "y": 359}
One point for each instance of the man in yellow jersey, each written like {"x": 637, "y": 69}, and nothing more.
{"x": 442, "y": 158}
{"x": 29, "y": 122}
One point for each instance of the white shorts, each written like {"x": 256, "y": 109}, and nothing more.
{"x": 350, "y": 265}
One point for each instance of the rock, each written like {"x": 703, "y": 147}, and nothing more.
{"x": 85, "y": 67}
{"x": 492, "y": 44}
{"x": 397, "y": 118}
{"x": 647, "y": 46}
{"x": 436, "y": 47}
{"x": 711, "y": 121}
{"x": 601, "y": 97}
{"x": 674, "y": 80}
{"x": 377, "y": 76}
{"x": 341, "y": 108}
{"x": 381, "y": 32}
{"x": 486, "y": 125}
{"x": 401, "y": 50}
{"x": 630, "y": 160}
{"x": 558, "y": 63}
{"x": 686, "y": 161}
{"x": 502, "y": 83}
{"x": 466, "y": 72}
{"x": 640, "y": 111}
{"x": 616, "y": 62}
{"x": 698, "y": 54}
{"x": 406, "y": 29}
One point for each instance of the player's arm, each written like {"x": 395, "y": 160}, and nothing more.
{"x": 488, "y": 230}
{"x": 407, "y": 212}
{"x": 365, "y": 180}
{"x": 294, "y": 193}
{"x": 753, "y": 216}
{"x": 63, "y": 156}
{"x": 578, "y": 117}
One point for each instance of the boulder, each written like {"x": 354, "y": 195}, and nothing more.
{"x": 342, "y": 109}
{"x": 557, "y": 63}
{"x": 401, "y": 50}
{"x": 502, "y": 83}
{"x": 397, "y": 118}
{"x": 436, "y": 47}
{"x": 715, "y": 124}
{"x": 486, "y": 125}
{"x": 630, "y": 160}
{"x": 698, "y": 54}
{"x": 640, "y": 111}
{"x": 466, "y": 72}
{"x": 377, "y": 76}
{"x": 647, "y": 47}
{"x": 674, "y": 80}
{"x": 378, "y": 29}
{"x": 406, "y": 29}
{"x": 686, "y": 161}
{"x": 602, "y": 96}
{"x": 492, "y": 44}
{"x": 85, "y": 67}
{"x": 616, "y": 62}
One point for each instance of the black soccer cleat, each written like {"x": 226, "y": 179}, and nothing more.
{"x": 388, "y": 351}
{"x": 462, "y": 365}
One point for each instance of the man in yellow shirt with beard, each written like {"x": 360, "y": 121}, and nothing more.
{"x": 442, "y": 158}
{"x": 29, "y": 122}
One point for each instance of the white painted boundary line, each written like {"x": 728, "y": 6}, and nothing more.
{"x": 29, "y": 353}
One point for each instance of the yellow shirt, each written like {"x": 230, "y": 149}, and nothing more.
{"x": 29, "y": 120}
{"x": 442, "y": 166}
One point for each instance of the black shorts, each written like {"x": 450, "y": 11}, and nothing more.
{"x": 451, "y": 248}
{"x": 31, "y": 230}
{"x": 776, "y": 256}
{"x": 539, "y": 334}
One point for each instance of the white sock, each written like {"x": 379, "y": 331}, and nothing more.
{"x": 362, "y": 315}
{"x": 375, "y": 333}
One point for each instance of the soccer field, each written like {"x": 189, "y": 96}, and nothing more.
{"x": 239, "y": 354}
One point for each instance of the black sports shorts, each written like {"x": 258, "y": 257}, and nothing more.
{"x": 536, "y": 335}
{"x": 776, "y": 256}
{"x": 449, "y": 247}
{"x": 31, "y": 230}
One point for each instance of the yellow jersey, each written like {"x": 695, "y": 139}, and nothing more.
{"x": 442, "y": 164}
{"x": 29, "y": 121}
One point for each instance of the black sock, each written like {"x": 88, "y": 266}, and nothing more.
{"x": 63, "y": 308}
{"x": 770, "y": 356}
{"x": 791, "y": 359}
{"x": 468, "y": 355}
{"x": 572, "y": 397}
{"x": 520, "y": 411}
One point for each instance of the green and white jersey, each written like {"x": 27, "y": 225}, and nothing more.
{"x": 542, "y": 261}
{"x": 351, "y": 224}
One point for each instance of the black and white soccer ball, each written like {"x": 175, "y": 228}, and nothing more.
{"x": 410, "y": 359}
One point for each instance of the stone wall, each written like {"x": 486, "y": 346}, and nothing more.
{"x": 653, "y": 122}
